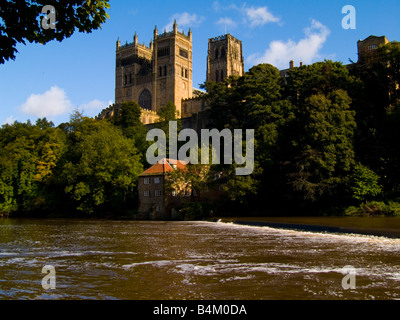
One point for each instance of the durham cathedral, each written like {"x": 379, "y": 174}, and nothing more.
{"x": 162, "y": 72}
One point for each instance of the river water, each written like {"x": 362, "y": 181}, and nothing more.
{"x": 191, "y": 260}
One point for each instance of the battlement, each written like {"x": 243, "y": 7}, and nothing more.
{"x": 219, "y": 38}
{"x": 133, "y": 45}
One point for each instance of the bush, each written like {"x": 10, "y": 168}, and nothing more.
{"x": 374, "y": 208}
{"x": 365, "y": 184}
{"x": 393, "y": 209}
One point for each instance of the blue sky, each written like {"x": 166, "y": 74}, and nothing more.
{"x": 78, "y": 73}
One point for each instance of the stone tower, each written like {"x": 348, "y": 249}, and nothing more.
{"x": 172, "y": 55}
{"x": 156, "y": 74}
{"x": 367, "y": 47}
{"x": 225, "y": 58}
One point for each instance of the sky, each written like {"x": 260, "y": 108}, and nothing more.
{"x": 78, "y": 73}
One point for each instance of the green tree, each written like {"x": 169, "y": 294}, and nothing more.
{"x": 254, "y": 101}
{"x": 378, "y": 115}
{"x": 168, "y": 112}
{"x": 29, "y": 156}
{"x": 20, "y": 21}
{"x": 321, "y": 152}
{"x": 103, "y": 172}
{"x": 319, "y": 78}
{"x": 129, "y": 120}
{"x": 364, "y": 183}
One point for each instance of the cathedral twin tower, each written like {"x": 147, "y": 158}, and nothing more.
{"x": 162, "y": 72}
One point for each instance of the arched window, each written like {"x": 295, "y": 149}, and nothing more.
{"x": 222, "y": 75}
{"x": 145, "y": 99}
{"x": 223, "y": 52}
{"x": 216, "y": 53}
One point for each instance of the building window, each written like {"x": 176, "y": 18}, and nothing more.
{"x": 158, "y": 193}
{"x": 216, "y": 54}
{"x": 186, "y": 74}
{"x": 147, "y": 193}
{"x": 130, "y": 78}
{"x": 216, "y": 75}
{"x": 223, "y": 52}
{"x": 160, "y": 71}
{"x": 173, "y": 193}
{"x": 158, "y": 208}
{"x": 162, "y": 52}
{"x": 146, "y": 180}
{"x": 222, "y": 75}
{"x": 125, "y": 80}
{"x": 182, "y": 72}
{"x": 165, "y": 71}
{"x": 372, "y": 47}
{"x": 157, "y": 180}
{"x": 183, "y": 53}
{"x": 187, "y": 193}
{"x": 145, "y": 99}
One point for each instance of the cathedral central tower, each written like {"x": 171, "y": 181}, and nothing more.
{"x": 225, "y": 58}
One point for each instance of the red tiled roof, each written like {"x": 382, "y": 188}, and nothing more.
{"x": 163, "y": 166}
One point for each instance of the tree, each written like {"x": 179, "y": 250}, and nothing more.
{"x": 103, "y": 171}
{"x": 378, "y": 115}
{"x": 20, "y": 21}
{"x": 168, "y": 112}
{"x": 253, "y": 101}
{"x": 364, "y": 183}
{"x": 321, "y": 151}
{"x": 28, "y": 158}
{"x": 129, "y": 120}
{"x": 390, "y": 55}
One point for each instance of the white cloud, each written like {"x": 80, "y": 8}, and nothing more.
{"x": 260, "y": 16}
{"x": 245, "y": 15}
{"x": 217, "y": 7}
{"x": 184, "y": 19}
{"x": 94, "y": 107}
{"x": 227, "y": 23}
{"x": 306, "y": 50}
{"x": 49, "y": 104}
{"x": 10, "y": 120}
{"x": 55, "y": 103}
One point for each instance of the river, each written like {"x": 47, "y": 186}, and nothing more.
{"x": 127, "y": 260}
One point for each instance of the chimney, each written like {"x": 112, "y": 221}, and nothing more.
{"x": 291, "y": 64}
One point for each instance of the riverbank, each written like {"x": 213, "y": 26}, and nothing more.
{"x": 375, "y": 226}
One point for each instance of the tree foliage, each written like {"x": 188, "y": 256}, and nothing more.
{"x": 103, "y": 171}
{"x": 364, "y": 183}
{"x": 20, "y": 21}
